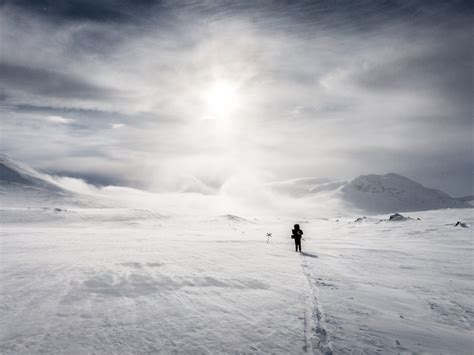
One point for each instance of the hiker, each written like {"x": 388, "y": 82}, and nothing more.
{"x": 297, "y": 234}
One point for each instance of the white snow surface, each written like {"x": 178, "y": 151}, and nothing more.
{"x": 107, "y": 280}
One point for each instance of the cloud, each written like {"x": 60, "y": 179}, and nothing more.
{"x": 436, "y": 67}
{"x": 326, "y": 89}
{"x": 104, "y": 11}
{"x": 28, "y": 83}
{"x": 60, "y": 120}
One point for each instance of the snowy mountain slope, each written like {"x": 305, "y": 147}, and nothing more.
{"x": 21, "y": 185}
{"x": 15, "y": 174}
{"x": 394, "y": 193}
{"x": 371, "y": 194}
{"x": 329, "y": 186}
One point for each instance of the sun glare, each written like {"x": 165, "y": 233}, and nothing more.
{"x": 222, "y": 99}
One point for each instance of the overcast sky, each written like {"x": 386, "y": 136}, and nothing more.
{"x": 124, "y": 92}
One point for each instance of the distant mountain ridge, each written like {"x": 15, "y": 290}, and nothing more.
{"x": 368, "y": 194}
{"x": 374, "y": 194}
{"x": 395, "y": 193}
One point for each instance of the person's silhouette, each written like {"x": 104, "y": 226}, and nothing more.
{"x": 297, "y": 234}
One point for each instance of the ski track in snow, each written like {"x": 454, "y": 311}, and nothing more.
{"x": 316, "y": 337}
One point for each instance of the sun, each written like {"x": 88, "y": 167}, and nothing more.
{"x": 222, "y": 99}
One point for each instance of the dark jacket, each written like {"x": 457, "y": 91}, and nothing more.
{"x": 297, "y": 234}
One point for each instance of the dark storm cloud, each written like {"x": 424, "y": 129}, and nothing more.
{"x": 86, "y": 10}
{"x": 49, "y": 83}
{"x": 362, "y": 15}
{"x": 443, "y": 69}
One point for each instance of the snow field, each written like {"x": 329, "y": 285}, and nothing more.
{"x": 396, "y": 287}
{"x": 208, "y": 287}
{"x": 135, "y": 281}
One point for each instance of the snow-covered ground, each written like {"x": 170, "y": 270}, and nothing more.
{"x": 136, "y": 281}
{"x": 396, "y": 287}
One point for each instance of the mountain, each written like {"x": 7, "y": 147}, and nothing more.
{"x": 15, "y": 174}
{"x": 21, "y": 185}
{"x": 395, "y": 193}
{"x": 371, "y": 194}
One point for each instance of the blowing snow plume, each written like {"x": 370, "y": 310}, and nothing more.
{"x": 24, "y": 186}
